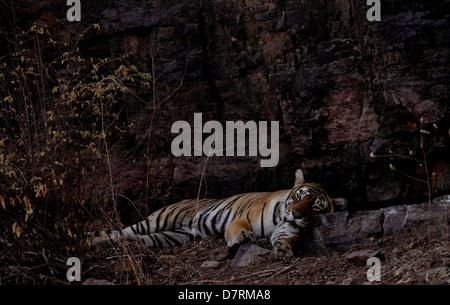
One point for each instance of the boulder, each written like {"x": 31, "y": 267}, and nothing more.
{"x": 92, "y": 281}
{"x": 338, "y": 228}
{"x": 341, "y": 228}
{"x": 360, "y": 257}
{"x": 247, "y": 254}
{"x": 210, "y": 264}
{"x": 395, "y": 218}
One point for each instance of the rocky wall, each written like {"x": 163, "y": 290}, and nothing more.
{"x": 343, "y": 230}
{"x": 340, "y": 86}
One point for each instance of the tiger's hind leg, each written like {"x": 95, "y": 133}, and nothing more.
{"x": 238, "y": 233}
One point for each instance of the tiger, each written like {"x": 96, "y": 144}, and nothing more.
{"x": 277, "y": 216}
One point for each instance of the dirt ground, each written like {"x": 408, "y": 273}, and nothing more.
{"x": 406, "y": 258}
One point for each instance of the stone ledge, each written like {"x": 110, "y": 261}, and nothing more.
{"x": 341, "y": 228}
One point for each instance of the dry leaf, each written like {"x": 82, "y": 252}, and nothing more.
{"x": 27, "y": 203}
{"x": 16, "y": 229}
{"x": 28, "y": 207}
{"x": 2, "y": 201}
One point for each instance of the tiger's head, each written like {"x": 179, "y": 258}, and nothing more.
{"x": 307, "y": 199}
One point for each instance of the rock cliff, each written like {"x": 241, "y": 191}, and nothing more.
{"x": 340, "y": 86}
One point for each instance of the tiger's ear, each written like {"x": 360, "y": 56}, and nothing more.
{"x": 299, "y": 178}
{"x": 339, "y": 203}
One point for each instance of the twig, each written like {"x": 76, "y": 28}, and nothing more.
{"x": 261, "y": 273}
{"x": 129, "y": 200}
{"x": 202, "y": 243}
{"x": 279, "y": 272}
{"x": 109, "y": 163}
{"x": 134, "y": 270}
{"x": 147, "y": 184}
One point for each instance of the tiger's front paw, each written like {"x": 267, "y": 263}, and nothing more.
{"x": 242, "y": 237}
{"x": 282, "y": 250}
